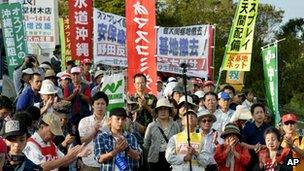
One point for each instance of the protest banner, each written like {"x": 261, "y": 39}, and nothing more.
{"x": 270, "y": 65}
{"x": 113, "y": 86}
{"x": 39, "y": 17}
{"x": 235, "y": 77}
{"x": 237, "y": 56}
{"x": 81, "y": 28}
{"x": 11, "y": 17}
{"x": 109, "y": 39}
{"x": 191, "y": 45}
{"x": 141, "y": 36}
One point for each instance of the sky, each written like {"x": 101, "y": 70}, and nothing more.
{"x": 292, "y": 8}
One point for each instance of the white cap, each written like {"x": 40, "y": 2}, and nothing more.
{"x": 28, "y": 71}
{"x": 75, "y": 70}
{"x": 241, "y": 113}
{"x": 200, "y": 93}
{"x": 47, "y": 87}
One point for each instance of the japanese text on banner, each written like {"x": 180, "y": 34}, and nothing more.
{"x": 238, "y": 52}
{"x": 109, "y": 39}
{"x": 140, "y": 17}
{"x": 81, "y": 28}
{"x": 13, "y": 34}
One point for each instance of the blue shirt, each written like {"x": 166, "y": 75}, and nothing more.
{"x": 252, "y": 134}
{"x": 105, "y": 143}
{"x": 26, "y": 99}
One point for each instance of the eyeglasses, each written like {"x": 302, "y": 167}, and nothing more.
{"x": 289, "y": 122}
{"x": 206, "y": 120}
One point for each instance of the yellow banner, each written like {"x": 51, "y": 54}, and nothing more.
{"x": 238, "y": 51}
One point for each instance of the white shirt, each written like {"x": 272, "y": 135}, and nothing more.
{"x": 33, "y": 153}
{"x": 222, "y": 119}
{"x": 87, "y": 127}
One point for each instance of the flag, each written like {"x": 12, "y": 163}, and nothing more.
{"x": 270, "y": 65}
{"x": 141, "y": 44}
{"x": 239, "y": 47}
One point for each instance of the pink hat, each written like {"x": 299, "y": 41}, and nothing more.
{"x": 86, "y": 61}
{"x": 75, "y": 70}
{"x": 65, "y": 76}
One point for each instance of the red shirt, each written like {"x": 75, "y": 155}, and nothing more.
{"x": 239, "y": 165}
{"x": 266, "y": 161}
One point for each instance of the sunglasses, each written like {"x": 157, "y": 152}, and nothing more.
{"x": 206, "y": 120}
{"x": 289, "y": 122}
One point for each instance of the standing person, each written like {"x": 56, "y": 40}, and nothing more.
{"x": 47, "y": 93}
{"x": 231, "y": 156}
{"x": 89, "y": 127}
{"x": 86, "y": 66}
{"x": 41, "y": 150}
{"x": 146, "y": 102}
{"x": 178, "y": 153}
{"x": 211, "y": 136}
{"x": 208, "y": 86}
{"x": 115, "y": 149}
{"x": 56, "y": 59}
{"x": 160, "y": 88}
{"x": 293, "y": 140}
{"x": 273, "y": 158}
{"x": 98, "y": 80}
{"x": 210, "y": 102}
{"x": 78, "y": 93}
{"x": 158, "y": 134}
{"x": 6, "y": 108}
{"x": 30, "y": 96}
{"x": 249, "y": 95}
{"x": 15, "y": 133}
{"x": 223, "y": 114}
{"x": 50, "y": 75}
{"x": 253, "y": 133}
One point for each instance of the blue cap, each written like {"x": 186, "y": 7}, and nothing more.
{"x": 223, "y": 95}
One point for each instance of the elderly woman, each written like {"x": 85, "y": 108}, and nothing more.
{"x": 157, "y": 135}
{"x": 48, "y": 93}
{"x": 292, "y": 140}
{"x": 231, "y": 155}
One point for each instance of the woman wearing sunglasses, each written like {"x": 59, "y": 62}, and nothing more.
{"x": 292, "y": 140}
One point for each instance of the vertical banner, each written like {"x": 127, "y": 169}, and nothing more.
{"x": 81, "y": 28}
{"x": 235, "y": 77}
{"x": 190, "y": 44}
{"x": 39, "y": 17}
{"x": 109, "y": 39}
{"x": 13, "y": 34}
{"x": 62, "y": 43}
{"x": 113, "y": 86}
{"x": 270, "y": 63}
{"x": 239, "y": 47}
{"x": 141, "y": 45}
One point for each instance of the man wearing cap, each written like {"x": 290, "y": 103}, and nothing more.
{"x": 116, "y": 149}
{"x": 42, "y": 151}
{"x": 292, "y": 140}
{"x": 30, "y": 61}
{"x": 15, "y": 133}
{"x": 223, "y": 114}
{"x": 90, "y": 125}
{"x": 208, "y": 86}
{"x": 98, "y": 80}
{"x": 86, "y": 66}
{"x": 211, "y": 138}
{"x": 50, "y": 75}
{"x": 30, "y": 95}
{"x": 231, "y": 156}
{"x": 78, "y": 93}
{"x": 178, "y": 152}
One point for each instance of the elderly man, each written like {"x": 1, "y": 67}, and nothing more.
{"x": 179, "y": 153}
{"x": 42, "y": 151}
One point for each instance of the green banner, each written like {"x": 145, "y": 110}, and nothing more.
{"x": 270, "y": 66}
{"x": 239, "y": 47}
{"x": 113, "y": 86}
{"x": 11, "y": 17}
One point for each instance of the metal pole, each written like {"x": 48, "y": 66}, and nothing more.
{"x": 184, "y": 66}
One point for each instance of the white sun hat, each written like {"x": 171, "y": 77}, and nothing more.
{"x": 47, "y": 87}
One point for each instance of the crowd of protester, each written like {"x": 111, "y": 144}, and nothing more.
{"x": 60, "y": 121}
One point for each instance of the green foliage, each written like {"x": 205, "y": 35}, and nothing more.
{"x": 111, "y": 6}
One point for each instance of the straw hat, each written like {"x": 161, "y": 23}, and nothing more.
{"x": 47, "y": 87}
{"x": 205, "y": 113}
{"x": 182, "y": 100}
{"x": 53, "y": 122}
{"x": 49, "y": 73}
